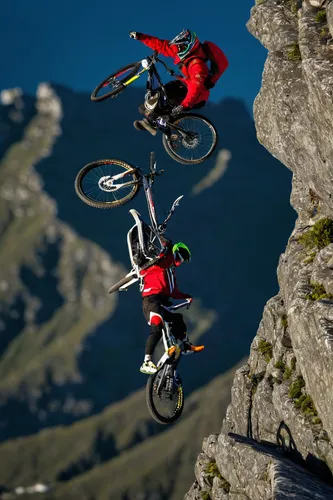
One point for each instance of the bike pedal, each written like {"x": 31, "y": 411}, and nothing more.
{"x": 160, "y": 172}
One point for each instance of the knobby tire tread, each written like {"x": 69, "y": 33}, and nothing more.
{"x": 114, "y": 92}
{"x": 183, "y": 160}
{"x": 104, "y": 204}
{"x": 151, "y": 407}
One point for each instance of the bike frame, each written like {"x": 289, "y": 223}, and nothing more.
{"x": 147, "y": 181}
{"x": 173, "y": 348}
{"x": 148, "y": 65}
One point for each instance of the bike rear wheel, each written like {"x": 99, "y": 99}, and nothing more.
{"x": 167, "y": 406}
{"x": 194, "y": 149}
{"x": 116, "y": 82}
{"x": 91, "y": 183}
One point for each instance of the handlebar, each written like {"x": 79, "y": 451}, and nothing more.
{"x": 153, "y": 58}
{"x": 172, "y": 308}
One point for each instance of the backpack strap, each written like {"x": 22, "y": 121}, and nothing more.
{"x": 192, "y": 58}
{"x": 205, "y": 59}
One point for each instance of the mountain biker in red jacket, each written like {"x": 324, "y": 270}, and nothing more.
{"x": 160, "y": 285}
{"x": 185, "y": 93}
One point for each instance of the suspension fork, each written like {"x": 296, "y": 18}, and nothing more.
{"x": 162, "y": 378}
{"x": 168, "y": 367}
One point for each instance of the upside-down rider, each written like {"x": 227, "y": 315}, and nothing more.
{"x": 192, "y": 90}
{"x": 159, "y": 285}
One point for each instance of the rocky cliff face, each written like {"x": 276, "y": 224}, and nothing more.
{"x": 276, "y": 440}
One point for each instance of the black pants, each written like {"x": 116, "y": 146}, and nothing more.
{"x": 153, "y": 304}
{"x": 176, "y": 92}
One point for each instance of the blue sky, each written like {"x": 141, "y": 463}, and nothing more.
{"x": 79, "y": 43}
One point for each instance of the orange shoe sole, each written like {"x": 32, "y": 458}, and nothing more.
{"x": 197, "y": 348}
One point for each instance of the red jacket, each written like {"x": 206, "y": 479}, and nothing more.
{"x": 161, "y": 278}
{"x": 195, "y": 72}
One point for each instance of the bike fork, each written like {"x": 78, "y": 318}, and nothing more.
{"x": 162, "y": 379}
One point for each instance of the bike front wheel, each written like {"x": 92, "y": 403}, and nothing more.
{"x": 165, "y": 402}
{"x": 197, "y": 145}
{"x": 107, "y": 183}
{"x": 116, "y": 83}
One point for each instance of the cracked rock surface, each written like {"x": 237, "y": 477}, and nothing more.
{"x": 276, "y": 439}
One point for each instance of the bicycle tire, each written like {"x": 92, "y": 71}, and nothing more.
{"x": 113, "y": 93}
{"x": 127, "y": 279}
{"x": 168, "y": 147}
{"x": 103, "y": 204}
{"x": 120, "y": 283}
{"x": 161, "y": 419}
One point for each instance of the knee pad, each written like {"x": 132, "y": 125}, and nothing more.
{"x": 156, "y": 320}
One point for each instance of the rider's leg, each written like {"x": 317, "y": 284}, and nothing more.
{"x": 157, "y": 112}
{"x": 178, "y": 326}
{"x": 156, "y": 325}
{"x": 142, "y": 109}
{"x": 145, "y": 124}
{"x": 176, "y": 92}
{"x": 148, "y": 109}
{"x": 153, "y": 313}
{"x": 155, "y": 107}
{"x": 179, "y": 330}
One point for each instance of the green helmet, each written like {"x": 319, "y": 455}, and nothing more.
{"x": 181, "y": 253}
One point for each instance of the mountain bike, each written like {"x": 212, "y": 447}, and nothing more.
{"x": 188, "y": 138}
{"x": 112, "y": 183}
{"x": 164, "y": 389}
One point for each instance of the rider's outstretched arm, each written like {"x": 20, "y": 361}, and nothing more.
{"x": 162, "y": 46}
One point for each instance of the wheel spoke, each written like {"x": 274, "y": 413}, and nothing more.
{"x": 197, "y": 147}
{"x": 94, "y": 191}
{"x": 112, "y": 85}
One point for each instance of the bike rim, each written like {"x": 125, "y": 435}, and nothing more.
{"x": 200, "y": 142}
{"x": 169, "y": 402}
{"x": 114, "y": 83}
{"x": 95, "y": 189}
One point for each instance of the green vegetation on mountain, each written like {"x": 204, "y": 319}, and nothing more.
{"x": 117, "y": 444}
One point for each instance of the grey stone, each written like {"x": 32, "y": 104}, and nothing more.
{"x": 276, "y": 437}
{"x": 329, "y": 14}
{"x": 273, "y": 25}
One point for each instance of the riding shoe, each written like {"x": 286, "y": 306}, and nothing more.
{"x": 189, "y": 348}
{"x": 145, "y": 125}
{"x": 148, "y": 367}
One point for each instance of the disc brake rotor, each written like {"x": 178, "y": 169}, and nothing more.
{"x": 190, "y": 142}
{"x": 105, "y": 183}
{"x": 114, "y": 83}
